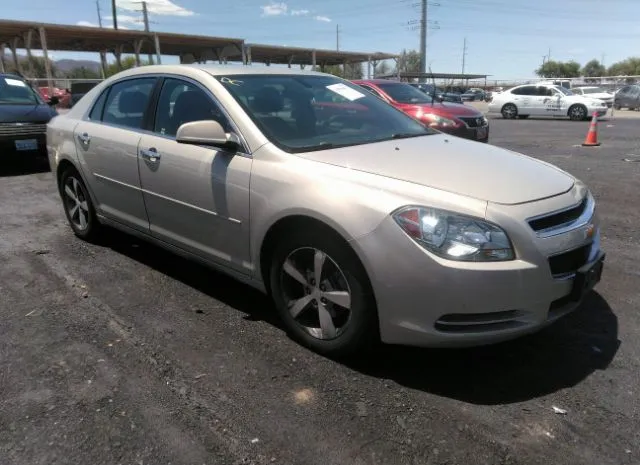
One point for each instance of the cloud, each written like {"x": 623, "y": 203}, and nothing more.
{"x": 156, "y": 7}
{"x": 86, "y": 24}
{"x": 274, "y": 9}
{"x": 300, "y": 12}
{"x": 325, "y": 19}
{"x": 106, "y": 25}
{"x": 122, "y": 19}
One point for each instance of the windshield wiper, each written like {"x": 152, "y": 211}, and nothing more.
{"x": 407, "y": 135}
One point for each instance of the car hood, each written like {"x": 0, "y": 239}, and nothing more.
{"x": 602, "y": 95}
{"x": 455, "y": 165}
{"x": 25, "y": 113}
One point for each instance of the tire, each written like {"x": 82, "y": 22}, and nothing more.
{"x": 78, "y": 207}
{"x": 578, "y": 113}
{"x": 523, "y": 116}
{"x": 509, "y": 111}
{"x": 318, "y": 322}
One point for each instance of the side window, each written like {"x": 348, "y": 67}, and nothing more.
{"x": 183, "y": 102}
{"x": 127, "y": 101}
{"x": 526, "y": 90}
{"x": 98, "y": 107}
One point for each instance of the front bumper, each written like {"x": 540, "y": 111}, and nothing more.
{"x": 424, "y": 300}
{"x": 479, "y": 133}
{"x": 8, "y": 145}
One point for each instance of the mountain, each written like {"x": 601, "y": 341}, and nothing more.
{"x": 66, "y": 65}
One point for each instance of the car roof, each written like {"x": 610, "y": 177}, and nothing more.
{"x": 218, "y": 70}
{"x": 377, "y": 81}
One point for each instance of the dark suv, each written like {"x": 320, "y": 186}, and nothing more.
{"x": 627, "y": 97}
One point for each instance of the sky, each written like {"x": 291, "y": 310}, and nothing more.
{"x": 506, "y": 39}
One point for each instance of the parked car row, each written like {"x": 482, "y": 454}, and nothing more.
{"x": 337, "y": 199}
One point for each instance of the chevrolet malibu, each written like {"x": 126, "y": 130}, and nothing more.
{"x": 360, "y": 223}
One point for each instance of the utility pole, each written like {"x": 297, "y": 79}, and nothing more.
{"x": 113, "y": 12}
{"x": 145, "y": 15}
{"x": 99, "y": 15}
{"x": 423, "y": 39}
{"x": 464, "y": 54}
{"x": 337, "y": 37}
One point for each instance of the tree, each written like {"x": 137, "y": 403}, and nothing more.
{"x": 593, "y": 69}
{"x": 408, "y": 62}
{"x": 353, "y": 71}
{"x": 381, "y": 69}
{"x": 82, "y": 73}
{"x": 559, "y": 69}
{"x": 628, "y": 67}
{"x": 31, "y": 68}
{"x": 127, "y": 63}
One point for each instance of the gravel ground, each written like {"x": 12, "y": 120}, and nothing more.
{"x": 120, "y": 353}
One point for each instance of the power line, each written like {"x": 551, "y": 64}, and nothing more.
{"x": 99, "y": 14}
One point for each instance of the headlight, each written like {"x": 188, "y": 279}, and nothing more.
{"x": 453, "y": 236}
{"x": 437, "y": 120}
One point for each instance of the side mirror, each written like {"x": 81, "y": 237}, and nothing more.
{"x": 207, "y": 132}
{"x": 53, "y": 101}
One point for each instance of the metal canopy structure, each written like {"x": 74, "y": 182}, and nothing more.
{"x": 190, "y": 48}
{"x": 275, "y": 54}
{"x": 416, "y": 75}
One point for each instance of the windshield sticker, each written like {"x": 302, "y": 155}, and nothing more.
{"x": 345, "y": 91}
{"x": 233, "y": 82}
{"x": 14, "y": 82}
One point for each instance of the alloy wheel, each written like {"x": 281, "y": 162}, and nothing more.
{"x": 76, "y": 203}
{"x": 317, "y": 293}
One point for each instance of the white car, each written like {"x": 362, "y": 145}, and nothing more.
{"x": 545, "y": 100}
{"x": 595, "y": 92}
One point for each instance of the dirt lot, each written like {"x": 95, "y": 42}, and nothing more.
{"x": 120, "y": 353}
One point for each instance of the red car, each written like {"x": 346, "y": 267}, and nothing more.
{"x": 452, "y": 118}
{"x": 64, "y": 96}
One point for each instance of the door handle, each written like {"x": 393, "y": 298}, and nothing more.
{"x": 151, "y": 155}
{"x": 84, "y": 138}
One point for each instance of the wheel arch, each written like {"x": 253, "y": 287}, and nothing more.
{"x": 65, "y": 164}
{"x": 296, "y": 221}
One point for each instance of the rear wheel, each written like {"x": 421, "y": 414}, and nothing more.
{"x": 509, "y": 111}
{"x": 78, "y": 206}
{"x": 322, "y": 294}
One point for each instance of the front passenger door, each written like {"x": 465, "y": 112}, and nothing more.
{"x": 197, "y": 197}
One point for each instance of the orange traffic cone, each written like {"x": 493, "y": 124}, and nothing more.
{"x": 592, "y": 136}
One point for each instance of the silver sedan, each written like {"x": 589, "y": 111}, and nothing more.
{"x": 361, "y": 223}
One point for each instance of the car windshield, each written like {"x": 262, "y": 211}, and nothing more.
{"x": 303, "y": 113}
{"x": 404, "y": 93}
{"x": 564, "y": 90}
{"x": 15, "y": 91}
{"x": 593, "y": 90}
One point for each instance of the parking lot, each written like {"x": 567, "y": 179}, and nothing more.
{"x": 121, "y": 353}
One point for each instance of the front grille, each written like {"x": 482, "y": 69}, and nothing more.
{"x": 22, "y": 129}
{"x": 558, "y": 219}
{"x": 568, "y": 262}
{"x": 474, "y": 122}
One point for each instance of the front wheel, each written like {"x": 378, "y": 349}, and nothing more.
{"x": 509, "y": 111}
{"x": 578, "y": 113}
{"x": 323, "y": 295}
{"x": 78, "y": 207}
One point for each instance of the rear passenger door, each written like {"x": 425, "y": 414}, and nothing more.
{"x": 107, "y": 145}
{"x": 523, "y": 97}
